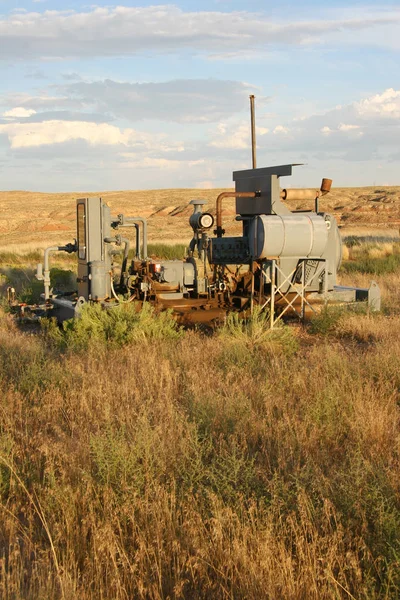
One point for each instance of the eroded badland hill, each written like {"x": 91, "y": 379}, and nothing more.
{"x": 37, "y": 219}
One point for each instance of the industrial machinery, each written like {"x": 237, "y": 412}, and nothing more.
{"x": 285, "y": 262}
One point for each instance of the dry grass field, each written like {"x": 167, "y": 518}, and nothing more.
{"x": 146, "y": 462}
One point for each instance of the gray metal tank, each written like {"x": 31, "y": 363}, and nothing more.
{"x": 286, "y": 236}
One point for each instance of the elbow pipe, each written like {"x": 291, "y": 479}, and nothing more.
{"x": 46, "y": 273}
{"x": 134, "y": 221}
{"x": 301, "y": 194}
{"x": 307, "y": 194}
{"x": 123, "y": 221}
{"x": 219, "y": 231}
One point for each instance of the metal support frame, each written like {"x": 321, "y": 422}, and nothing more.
{"x": 299, "y": 289}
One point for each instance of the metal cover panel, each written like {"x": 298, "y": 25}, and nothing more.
{"x": 94, "y": 230}
{"x": 266, "y": 182}
{"x": 279, "y": 171}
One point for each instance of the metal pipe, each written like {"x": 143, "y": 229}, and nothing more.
{"x": 124, "y": 259}
{"x": 219, "y": 231}
{"x": 307, "y": 194}
{"x": 252, "y": 287}
{"x": 137, "y": 253}
{"x": 299, "y": 194}
{"x": 112, "y": 288}
{"x": 130, "y": 221}
{"x": 45, "y": 274}
{"x": 272, "y": 305}
{"x": 253, "y": 132}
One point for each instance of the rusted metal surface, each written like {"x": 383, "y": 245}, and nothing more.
{"x": 299, "y": 194}
{"x": 325, "y": 186}
{"x": 306, "y": 194}
{"x": 212, "y": 312}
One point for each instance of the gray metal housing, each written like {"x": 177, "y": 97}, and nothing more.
{"x": 273, "y": 231}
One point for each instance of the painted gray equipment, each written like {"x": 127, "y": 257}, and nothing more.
{"x": 284, "y": 261}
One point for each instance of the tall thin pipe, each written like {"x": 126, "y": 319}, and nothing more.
{"x": 253, "y": 131}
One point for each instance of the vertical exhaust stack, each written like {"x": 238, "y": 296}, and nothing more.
{"x": 253, "y": 131}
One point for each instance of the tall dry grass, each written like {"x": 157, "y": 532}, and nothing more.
{"x": 161, "y": 465}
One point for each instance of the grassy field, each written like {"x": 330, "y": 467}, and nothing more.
{"x": 141, "y": 461}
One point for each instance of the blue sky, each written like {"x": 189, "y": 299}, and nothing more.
{"x": 143, "y": 95}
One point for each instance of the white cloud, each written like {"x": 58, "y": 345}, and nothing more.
{"x": 125, "y": 31}
{"x": 281, "y": 129}
{"x": 386, "y": 105}
{"x": 235, "y": 136}
{"x": 149, "y": 162}
{"x": 182, "y": 101}
{"x": 26, "y": 135}
{"x": 19, "y": 112}
{"x": 111, "y": 154}
{"x": 344, "y": 127}
{"x": 38, "y": 102}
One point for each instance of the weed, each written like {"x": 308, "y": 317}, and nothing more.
{"x": 167, "y": 251}
{"x": 116, "y": 326}
{"x": 254, "y": 331}
{"x": 374, "y": 266}
{"x": 327, "y": 320}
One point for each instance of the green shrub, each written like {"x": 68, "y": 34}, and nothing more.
{"x": 327, "y": 320}
{"x": 116, "y": 326}
{"x": 373, "y": 266}
{"x": 254, "y": 332}
{"x": 125, "y": 463}
{"x": 167, "y": 251}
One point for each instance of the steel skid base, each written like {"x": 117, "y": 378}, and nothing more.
{"x": 294, "y": 303}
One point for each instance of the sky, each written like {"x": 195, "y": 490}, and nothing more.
{"x": 143, "y": 95}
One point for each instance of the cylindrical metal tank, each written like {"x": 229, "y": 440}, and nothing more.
{"x": 296, "y": 235}
{"x": 98, "y": 284}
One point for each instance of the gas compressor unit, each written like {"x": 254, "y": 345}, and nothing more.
{"x": 285, "y": 262}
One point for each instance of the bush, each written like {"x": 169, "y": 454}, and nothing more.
{"x": 167, "y": 251}
{"x": 116, "y": 326}
{"x": 327, "y": 320}
{"x": 373, "y": 266}
{"x": 254, "y": 331}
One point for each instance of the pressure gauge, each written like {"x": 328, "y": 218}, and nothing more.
{"x": 200, "y": 221}
{"x": 206, "y": 220}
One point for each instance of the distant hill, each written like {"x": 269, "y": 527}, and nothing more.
{"x": 37, "y": 219}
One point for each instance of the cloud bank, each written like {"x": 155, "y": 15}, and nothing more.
{"x": 180, "y": 101}
{"x": 358, "y": 133}
{"x": 127, "y": 31}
